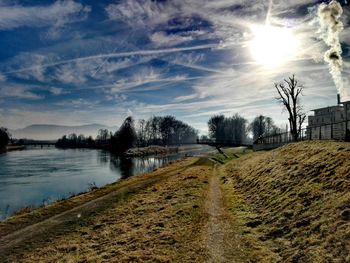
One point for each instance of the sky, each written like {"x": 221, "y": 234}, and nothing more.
{"x": 73, "y": 62}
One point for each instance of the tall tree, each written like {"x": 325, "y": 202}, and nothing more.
{"x": 262, "y": 126}
{"x": 167, "y": 128}
{"x": 125, "y": 137}
{"x": 141, "y": 133}
{"x": 232, "y": 129}
{"x": 4, "y": 137}
{"x": 216, "y": 127}
{"x": 168, "y": 131}
{"x": 288, "y": 94}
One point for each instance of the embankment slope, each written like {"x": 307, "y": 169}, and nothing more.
{"x": 154, "y": 217}
{"x": 296, "y": 199}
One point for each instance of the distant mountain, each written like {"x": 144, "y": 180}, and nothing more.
{"x": 54, "y": 132}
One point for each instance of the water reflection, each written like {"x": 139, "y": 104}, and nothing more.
{"x": 127, "y": 167}
{"x": 36, "y": 176}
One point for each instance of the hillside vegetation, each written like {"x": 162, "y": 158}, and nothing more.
{"x": 296, "y": 199}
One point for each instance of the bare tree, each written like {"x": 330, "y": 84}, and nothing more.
{"x": 289, "y": 92}
{"x": 232, "y": 129}
{"x": 301, "y": 119}
{"x": 141, "y": 133}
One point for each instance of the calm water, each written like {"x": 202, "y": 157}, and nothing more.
{"x": 36, "y": 176}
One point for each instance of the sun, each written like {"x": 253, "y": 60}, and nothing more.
{"x": 272, "y": 46}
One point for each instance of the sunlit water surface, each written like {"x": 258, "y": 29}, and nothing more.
{"x": 36, "y": 176}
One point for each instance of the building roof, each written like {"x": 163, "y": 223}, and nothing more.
{"x": 329, "y": 107}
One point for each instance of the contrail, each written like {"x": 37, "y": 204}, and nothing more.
{"x": 117, "y": 55}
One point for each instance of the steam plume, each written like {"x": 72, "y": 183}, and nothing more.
{"x": 329, "y": 19}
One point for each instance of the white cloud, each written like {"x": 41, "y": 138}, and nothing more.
{"x": 17, "y": 91}
{"x": 57, "y": 91}
{"x": 58, "y": 14}
{"x": 2, "y": 78}
{"x": 78, "y": 103}
{"x": 35, "y": 62}
{"x": 113, "y": 55}
{"x": 163, "y": 39}
{"x": 143, "y": 77}
{"x": 139, "y": 13}
{"x": 116, "y": 97}
{"x": 185, "y": 98}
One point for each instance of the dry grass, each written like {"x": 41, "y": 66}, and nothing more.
{"x": 29, "y": 216}
{"x": 295, "y": 200}
{"x": 287, "y": 205}
{"x": 161, "y": 222}
{"x": 231, "y": 153}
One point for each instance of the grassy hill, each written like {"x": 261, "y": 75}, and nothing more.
{"x": 296, "y": 199}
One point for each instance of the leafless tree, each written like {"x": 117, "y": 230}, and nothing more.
{"x": 228, "y": 129}
{"x": 289, "y": 92}
{"x": 301, "y": 119}
{"x": 262, "y": 126}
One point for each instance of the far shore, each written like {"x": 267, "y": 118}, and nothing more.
{"x": 151, "y": 150}
{"x": 12, "y": 148}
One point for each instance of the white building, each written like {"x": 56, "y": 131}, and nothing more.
{"x": 330, "y": 122}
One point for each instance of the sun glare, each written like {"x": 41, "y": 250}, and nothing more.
{"x": 272, "y": 46}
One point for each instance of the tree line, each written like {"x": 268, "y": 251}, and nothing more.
{"x": 237, "y": 129}
{"x": 157, "y": 130}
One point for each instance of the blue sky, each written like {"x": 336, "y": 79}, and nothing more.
{"x": 76, "y": 62}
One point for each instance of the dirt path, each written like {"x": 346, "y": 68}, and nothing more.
{"x": 218, "y": 224}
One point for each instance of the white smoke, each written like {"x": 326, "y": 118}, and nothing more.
{"x": 330, "y": 28}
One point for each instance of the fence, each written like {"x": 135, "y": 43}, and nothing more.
{"x": 331, "y": 131}
{"x": 228, "y": 143}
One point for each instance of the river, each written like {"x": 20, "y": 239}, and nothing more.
{"x": 39, "y": 176}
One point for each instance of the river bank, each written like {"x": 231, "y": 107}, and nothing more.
{"x": 286, "y": 205}
{"x": 143, "y": 206}
{"x": 40, "y": 176}
{"x": 12, "y": 148}
{"x": 159, "y": 216}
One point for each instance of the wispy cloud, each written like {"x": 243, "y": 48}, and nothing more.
{"x": 57, "y": 14}
{"x": 141, "y": 13}
{"x": 78, "y": 103}
{"x": 57, "y": 91}
{"x": 115, "y": 55}
{"x": 164, "y": 39}
{"x": 19, "y": 92}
